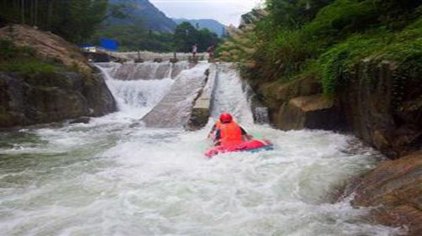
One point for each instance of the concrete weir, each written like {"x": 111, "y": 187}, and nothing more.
{"x": 176, "y": 108}
{"x": 201, "y": 109}
{"x": 146, "y": 70}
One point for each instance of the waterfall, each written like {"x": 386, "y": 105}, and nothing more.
{"x": 135, "y": 97}
{"x": 160, "y": 102}
{"x": 235, "y": 96}
{"x": 230, "y": 95}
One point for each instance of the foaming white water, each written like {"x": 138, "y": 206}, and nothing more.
{"x": 139, "y": 96}
{"x": 119, "y": 180}
{"x": 111, "y": 177}
{"x": 229, "y": 95}
{"x": 135, "y": 98}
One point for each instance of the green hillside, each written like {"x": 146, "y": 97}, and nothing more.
{"x": 322, "y": 39}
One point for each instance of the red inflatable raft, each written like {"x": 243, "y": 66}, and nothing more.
{"x": 253, "y": 145}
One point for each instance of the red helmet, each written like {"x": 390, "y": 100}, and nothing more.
{"x": 226, "y": 118}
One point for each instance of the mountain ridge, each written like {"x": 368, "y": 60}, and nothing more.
{"x": 143, "y": 13}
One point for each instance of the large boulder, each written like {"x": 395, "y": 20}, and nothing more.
{"x": 395, "y": 189}
{"x": 299, "y": 104}
{"x": 43, "y": 98}
{"x": 312, "y": 112}
{"x": 276, "y": 93}
{"x": 73, "y": 89}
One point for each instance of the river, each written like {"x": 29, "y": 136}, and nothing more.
{"x": 113, "y": 176}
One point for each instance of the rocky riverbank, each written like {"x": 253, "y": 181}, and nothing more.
{"x": 45, "y": 79}
{"x": 379, "y": 103}
{"x": 395, "y": 189}
{"x": 374, "y": 103}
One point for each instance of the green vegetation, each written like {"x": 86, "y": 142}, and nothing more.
{"x": 186, "y": 35}
{"x": 405, "y": 48}
{"x": 324, "y": 39}
{"x": 22, "y": 59}
{"x": 81, "y": 21}
{"x": 73, "y": 20}
{"x": 132, "y": 37}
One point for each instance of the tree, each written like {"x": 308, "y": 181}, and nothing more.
{"x": 293, "y": 14}
{"x": 74, "y": 20}
{"x": 78, "y": 18}
{"x": 185, "y": 36}
{"x": 205, "y": 39}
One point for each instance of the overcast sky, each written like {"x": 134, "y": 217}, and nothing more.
{"x": 225, "y": 11}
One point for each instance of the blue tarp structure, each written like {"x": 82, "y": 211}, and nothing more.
{"x": 109, "y": 44}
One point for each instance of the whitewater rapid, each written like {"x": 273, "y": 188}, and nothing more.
{"x": 111, "y": 177}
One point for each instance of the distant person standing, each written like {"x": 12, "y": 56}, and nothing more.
{"x": 194, "y": 50}
{"x": 210, "y": 51}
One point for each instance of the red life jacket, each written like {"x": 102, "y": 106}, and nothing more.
{"x": 231, "y": 134}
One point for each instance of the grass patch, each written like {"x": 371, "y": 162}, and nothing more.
{"x": 27, "y": 67}
{"x": 23, "y": 60}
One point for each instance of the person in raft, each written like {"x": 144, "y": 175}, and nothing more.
{"x": 227, "y": 132}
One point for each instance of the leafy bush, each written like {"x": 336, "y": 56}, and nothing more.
{"x": 340, "y": 19}
{"x": 293, "y": 14}
{"x": 405, "y": 48}
{"x": 334, "y": 38}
